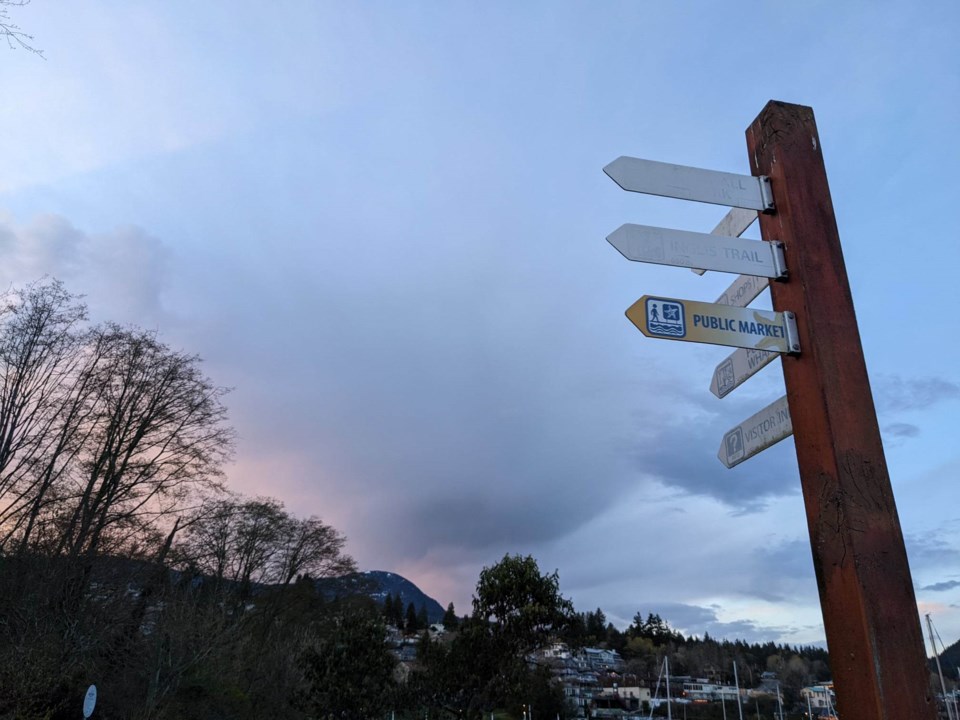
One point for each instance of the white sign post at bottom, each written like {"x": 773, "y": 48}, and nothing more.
{"x": 756, "y": 433}
{"x": 89, "y": 701}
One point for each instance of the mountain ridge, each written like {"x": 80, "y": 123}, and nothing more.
{"x": 377, "y": 584}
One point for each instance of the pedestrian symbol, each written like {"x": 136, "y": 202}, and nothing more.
{"x": 665, "y": 318}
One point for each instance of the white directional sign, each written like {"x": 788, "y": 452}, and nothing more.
{"x": 644, "y": 243}
{"x": 756, "y": 433}
{"x": 734, "y": 224}
{"x": 742, "y": 365}
{"x": 689, "y": 183}
{"x": 743, "y": 291}
{"x": 691, "y": 321}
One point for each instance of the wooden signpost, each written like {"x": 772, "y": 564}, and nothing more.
{"x": 866, "y": 592}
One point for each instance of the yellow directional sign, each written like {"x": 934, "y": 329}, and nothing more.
{"x": 692, "y": 321}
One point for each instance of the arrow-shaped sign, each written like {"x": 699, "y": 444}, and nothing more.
{"x": 689, "y": 183}
{"x": 739, "y": 367}
{"x": 743, "y": 291}
{"x": 744, "y": 363}
{"x": 756, "y": 433}
{"x": 734, "y": 224}
{"x": 692, "y": 321}
{"x": 682, "y": 248}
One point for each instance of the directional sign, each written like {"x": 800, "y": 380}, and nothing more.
{"x": 756, "y": 433}
{"x": 691, "y": 321}
{"x": 644, "y": 243}
{"x": 689, "y": 183}
{"x": 743, "y": 291}
{"x": 742, "y": 365}
{"x": 734, "y": 224}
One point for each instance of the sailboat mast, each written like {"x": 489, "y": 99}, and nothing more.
{"x": 736, "y": 681}
{"x": 943, "y": 685}
{"x": 666, "y": 664}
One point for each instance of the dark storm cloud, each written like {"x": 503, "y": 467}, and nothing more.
{"x": 942, "y": 586}
{"x": 781, "y": 571}
{"x": 457, "y": 408}
{"x": 931, "y": 550}
{"x": 680, "y": 450}
{"x": 896, "y": 394}
{"x": 901, "y": 430}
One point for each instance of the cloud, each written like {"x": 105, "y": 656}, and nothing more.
{"x": 901, "y": 430}
{"x": 782, "y": 571}
{"x": 942, "y": 586}
{"x": 896, "y": 394}
{"x": 679, "y": 449}
{"x": 121, "y": 273}
{"x": 700, "y": 620}
{"x": 931, "y": 550}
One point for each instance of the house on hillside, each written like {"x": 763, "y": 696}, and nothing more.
{"x": 701, "y": 689}
{"x": 437, "y": 630}
{"x": 615, "y": 701}
{"x": 820, "y": 698}
{"x": 600, "y": 659}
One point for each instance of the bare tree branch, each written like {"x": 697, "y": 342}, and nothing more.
{"x": 14, "y": 35}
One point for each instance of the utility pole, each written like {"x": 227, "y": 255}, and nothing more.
{"x": 866, "y": 592}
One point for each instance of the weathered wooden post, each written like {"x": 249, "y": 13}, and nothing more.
{"x": 866, "y": 592}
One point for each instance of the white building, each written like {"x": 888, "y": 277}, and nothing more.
{"x": 821, "y": 698}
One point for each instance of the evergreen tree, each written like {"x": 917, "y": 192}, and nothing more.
{"x": 423, "y": 620}
{"x": 349, "y": 670}
{"x": 596, "y": 625}
{"x": 396, "y": 619}
{"x": 411, "y": 625}
{"x": 450, "y": 619}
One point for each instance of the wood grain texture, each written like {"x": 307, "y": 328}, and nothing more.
{"x": 866, "y": 592}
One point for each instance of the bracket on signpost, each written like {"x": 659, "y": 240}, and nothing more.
{"x": 793, "y": 337}
{"x": 766, "y": 192}
{"x": 779, "y": 261}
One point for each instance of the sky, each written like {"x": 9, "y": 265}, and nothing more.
{"x": 383, "y": 224}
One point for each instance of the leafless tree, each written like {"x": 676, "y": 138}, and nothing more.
{"x": 15, "y": 36}
{"x": 250, "y": 541}
{"x": 310, "y": 547}
{"x": 41, "y": 351}
{"x": 157, "y": 432}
